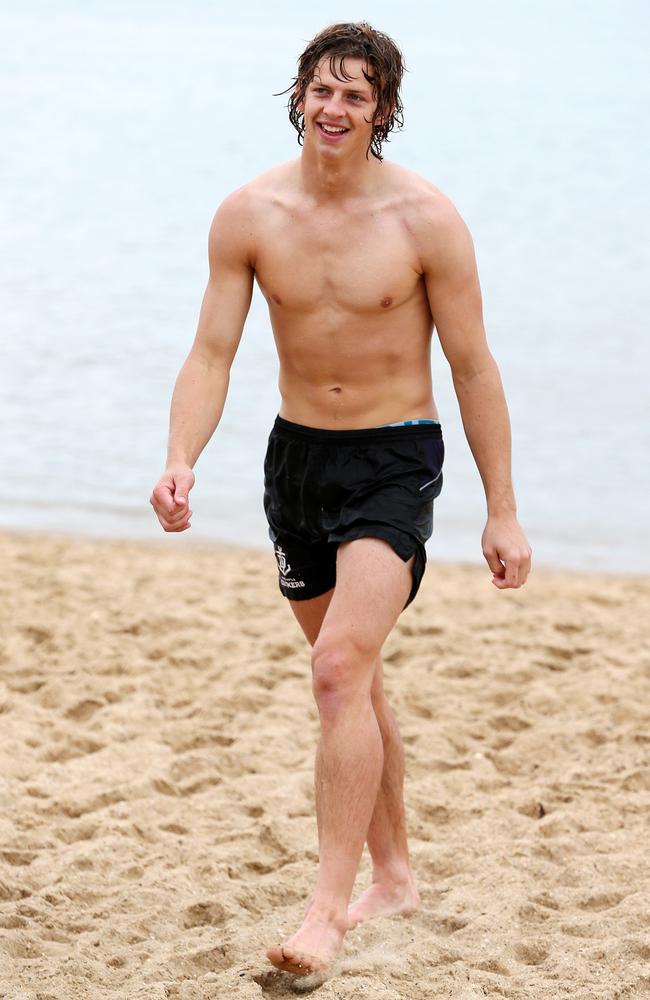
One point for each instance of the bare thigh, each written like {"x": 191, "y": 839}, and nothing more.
{"x": 310, "y": 614}
{"x": 372, "y": 587}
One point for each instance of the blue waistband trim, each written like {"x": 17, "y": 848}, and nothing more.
{"x": 410, "y": 423}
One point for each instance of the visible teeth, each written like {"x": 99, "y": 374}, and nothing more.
{"x": 331, "y": 128}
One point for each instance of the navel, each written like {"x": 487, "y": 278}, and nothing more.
{"x": 336, "y": 388}
{"x": 386, "y": 302}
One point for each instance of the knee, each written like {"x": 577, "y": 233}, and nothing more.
{"x": 341, "y": 672}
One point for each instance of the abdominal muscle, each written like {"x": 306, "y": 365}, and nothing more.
{"x": 329, "y": 381}
{"x": 347, "y": 407}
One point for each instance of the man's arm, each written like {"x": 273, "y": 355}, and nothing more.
{"x": 449, "y": 268}
{"x": 202, "y": 384}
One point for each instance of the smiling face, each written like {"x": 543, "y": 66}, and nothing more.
{"x": 338, "y": 111}
{"x": 333, "y": 52}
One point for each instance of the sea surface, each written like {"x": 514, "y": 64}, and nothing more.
{"x": 125, "y": 125}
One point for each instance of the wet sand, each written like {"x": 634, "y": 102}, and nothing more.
{"x": 156, "y": 803}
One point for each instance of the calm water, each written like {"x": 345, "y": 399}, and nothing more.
{"x": 125, "y": 125}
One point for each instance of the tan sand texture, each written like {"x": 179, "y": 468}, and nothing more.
{"x": 156, "y": 804}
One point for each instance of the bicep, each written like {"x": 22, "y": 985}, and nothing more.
{"x": 454, "y": 294}
{"x": 228, "y": 293}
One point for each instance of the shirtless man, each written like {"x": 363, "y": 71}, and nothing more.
{"x": 357, "y": 259}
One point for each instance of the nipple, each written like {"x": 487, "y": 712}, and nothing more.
{"x": 276, "y": 298}
{"x": 386, "y": 302}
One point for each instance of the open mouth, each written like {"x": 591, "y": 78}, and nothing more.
{"x": 331, "y": 131}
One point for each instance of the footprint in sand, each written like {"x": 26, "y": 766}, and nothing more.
{"x": 583, "y": 930}
{"x": 531, "y": 952}
{"x": 176, "y": 828}
{"x": 547, "y": 900}
{"x": 279, "y": 651}
{"x": 529, "y": 914}
{"x": 568, "y": 628}
{"x": 35, "y": 634}
{"x": 18, "y": 858}
{"x": 430, "y": 812}
{"x": 509, "y": 723}
{"x": 78, "y": 808}
{"x": 494, "y": 965}
{"x": 450, "y": 925}
{"x": 12, "y": 922}
{"x": 116, "y": 962}
{"x": 76, "y": 831}
{"x": 204, "y": 914}
{"x": 273, "y": 983}
{"x": 73, "y": 746}
{"x": 84, "y": 710}
{"x": 601, "y": 901}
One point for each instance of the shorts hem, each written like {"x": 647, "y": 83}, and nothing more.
{"x": 299, "y": 593}
{"x": 414, "y": 547}
{"x": 386, "y": 534}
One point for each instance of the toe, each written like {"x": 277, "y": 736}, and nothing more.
{"x": 299, "y": 964}
{"x": 287, "y": 960}
{"x": 276, "y": 957}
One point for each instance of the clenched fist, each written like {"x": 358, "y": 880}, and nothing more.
{"x": 170, "y": 498}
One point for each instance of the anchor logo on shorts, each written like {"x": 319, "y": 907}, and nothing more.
{"x": 285, "y": 569}
{"x": 283, "y": 565}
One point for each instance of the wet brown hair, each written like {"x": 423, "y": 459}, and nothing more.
{"x": 384, "y": 71}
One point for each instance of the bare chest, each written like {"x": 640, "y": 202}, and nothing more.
{"x": 362, "y": 263}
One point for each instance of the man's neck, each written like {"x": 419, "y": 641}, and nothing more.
{"x": 326, "y": 180}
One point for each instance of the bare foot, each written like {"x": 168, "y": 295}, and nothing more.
{"x": 384, "y": 899}
{"x": 311, "y": 949}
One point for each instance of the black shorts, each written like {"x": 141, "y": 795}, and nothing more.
{"x": 325, "y": 487}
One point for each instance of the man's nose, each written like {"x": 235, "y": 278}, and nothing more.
{"x": 334, "y": 106}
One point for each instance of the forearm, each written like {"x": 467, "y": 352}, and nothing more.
{"x": 487, "y": 428}
{"x": 197, "y": 405}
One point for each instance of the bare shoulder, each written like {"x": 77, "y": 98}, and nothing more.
{"x": 254, "y": 196}
{"x": 230, "y": 240}
{"x": 239, "y": 217}
{"x": 431, "y": 218}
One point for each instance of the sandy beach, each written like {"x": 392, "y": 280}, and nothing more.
{"x": 156, "y": 810}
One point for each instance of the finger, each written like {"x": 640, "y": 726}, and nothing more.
{"x": 165, "y": 517}
{"x": 167, "y": 508}
{"x": 512, "y": 571}
{"x": 163, "y": 498}
{"x": 178, "y": 515}
{"x": 498, "y": 577}
{"x": 159, "y": 501}
{"x": 176, "y": 528}
{"x": 494, "y": 562}
{"x": 524, "y": 568}
{"x": 163, "y": 514}
{"x": 512, "y": 578}
{"x": 529, "y": 562}
{"x": 175, "y": 524}
{"x": 182, "y": 487}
